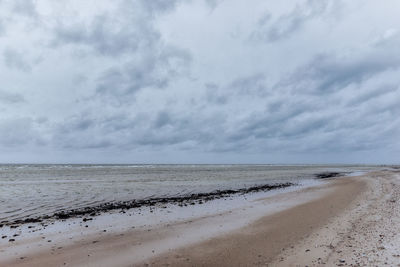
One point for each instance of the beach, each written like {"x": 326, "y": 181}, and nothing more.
{"x": 333, "y": 222}
{"x": 137, "y": 133}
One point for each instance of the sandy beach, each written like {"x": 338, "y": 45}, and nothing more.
{"x": 338, "y": 222}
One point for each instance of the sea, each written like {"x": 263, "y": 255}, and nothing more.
{"x": 28, "y": 190}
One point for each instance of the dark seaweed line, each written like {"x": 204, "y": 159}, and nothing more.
{"x": 125, "y": 205}
{"x": 325, "y": 175}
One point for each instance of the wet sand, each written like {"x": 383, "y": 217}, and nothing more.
{"x": 259, "y": 243}
{"x": 341, "y": 222}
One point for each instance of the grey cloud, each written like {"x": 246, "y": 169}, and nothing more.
{"x": 388, "y": 40}
{"x": 213, "y": 3}
{"x": 162, "y": 6}
{"x": 88, "y": 130}
{"x": 288, "y": 124}
{"x": 163, "y": 119}
{"x": 25, "y": 7}
{"x": 2, "y": 28}
{"x": 153, "y": 70}
{"x": 328, "y": 73}
{"x": 127, "y": 30}
{"x": 17, "y": 132}
{"x": 214, "y": 94}
{"x": 158, "y": 6}
{"x": 105, "y": 36}
{"x": 251, "y": 85}
{"x": 131, "y": 88}
{"x": 271, "y": 30}
{"x": 315, "y": 118}
{"x": 80, "y": 131}
{"x": 15, "y": 60}
{"x": 275, "y": 123}
{"x": 177, "y": 129}
{"x": 373, "y": 93}
{"x": 11, "y": 98}
{"x": 148, "y": 62}
{"x": 80, "y": 79}
{"x": 113, "y": 81}
{"x": 384, "y": 106}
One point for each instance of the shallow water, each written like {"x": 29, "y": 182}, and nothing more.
{"x": 36, "y": 190}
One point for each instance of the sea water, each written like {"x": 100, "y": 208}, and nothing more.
{"x": 28, "y": 191}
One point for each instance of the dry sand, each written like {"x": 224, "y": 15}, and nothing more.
{"x": 348, "y": 221}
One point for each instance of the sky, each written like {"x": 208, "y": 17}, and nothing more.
{"x": 199, "y": 81}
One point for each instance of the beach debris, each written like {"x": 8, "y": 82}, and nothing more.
{"x": 62, "y": 215}
{"x": 325, "y": 175}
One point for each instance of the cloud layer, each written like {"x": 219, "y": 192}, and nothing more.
{"x": 174, "y": 81}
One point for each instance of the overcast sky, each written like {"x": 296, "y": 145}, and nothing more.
{"x": 200, "y": 81}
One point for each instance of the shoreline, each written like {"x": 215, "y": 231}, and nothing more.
{"x": 123, "y": 206}
{"x": 183, "y": 200}
{"x": 204, "y": 238}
